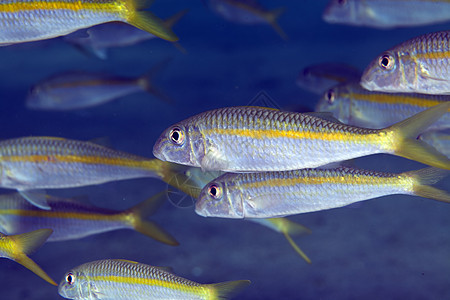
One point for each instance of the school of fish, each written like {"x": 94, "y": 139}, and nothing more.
{"x": 244, "y": 162}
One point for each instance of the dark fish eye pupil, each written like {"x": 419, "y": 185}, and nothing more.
{"x": 330, "y": 96}
{"x": 175, "y": 135}
{"x": 214, "y": 191}
{"x": 69, "y": 279}
{"x": 386, "y": 62}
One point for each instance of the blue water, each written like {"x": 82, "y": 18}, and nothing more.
{"x": 395, "y": 247}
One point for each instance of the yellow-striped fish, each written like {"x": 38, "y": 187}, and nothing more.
{"x": 71, "y": 219}
{"x": 418, "y": 65}
{"x": 124, "y": 279}
{"x": 191, "y": 181}
{"x": 32, "y": 20}
{"x": 17, "y": 247}
{"x": 253, "y": 139}
{"x": 277, "y": 194}
{"x": 32, "y": 163}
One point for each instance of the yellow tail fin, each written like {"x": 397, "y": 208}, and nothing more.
{"x": 423, "y": 178}
{"x": 147, "y": 21}
{"x": 407, "y": 131}
{"x": 272, "y": 18}
{"x": 143, "y": 210}
{"x": 27, "y": 243}
{"x": 228, "y": 289}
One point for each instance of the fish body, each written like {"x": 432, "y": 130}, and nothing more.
{"x": 32, "y": 20}
{"x": 98, "y": 39}
{"x": 17, "y": 247}
{"x": 254, "y": 139}
{"x": 32, "y": 163}
{"x": 385, "y": 14}
{"x": 419, "y": 65}
{"x": 354, "y": 105}
{"x": 247, "y": 12}
{"x": 318, "y": 78}
{"x": 71, "y": 219}
{"x": 123, "y": 279}
{"x": 277, "y": 194}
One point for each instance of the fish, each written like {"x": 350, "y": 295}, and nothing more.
{"x": 72, "y": 219}
{"x": 33, "y": 20}
{"x": 18, "y": 247}
{"x": 191, "y": 180}
{"x": 248, "y": 12}
{"x": 256, "y": 139}
{"x": 353, "y": 105}
{"x": 387, "y": 14}
{"x": 79, "y": 90}
{"x": 419, "y": 65}
{"x": 320, "y": 77}
{"x": 439, "y": 139}
{"x": 30, "y": 164}
{"x": 124, "y": 279}
{"x": 98, "y": 39}
{"x": 278, "y": 194}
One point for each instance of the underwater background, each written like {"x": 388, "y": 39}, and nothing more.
{"x": 395, "y": 247}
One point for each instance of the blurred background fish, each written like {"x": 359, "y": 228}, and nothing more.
{"x": 73, "y": 219}
{"x": 32, "y": 20}
{"x": 418, "y": 65}
{"x": 100, "y": 38}
{"x": 320, "y": 77}
{"x": 247, "y": 12}
{"x": 78, "y": 90}
{"x": 278, "y": 194}
{"x": 17, "y": 247}
{"x": 124, "y": 279}
{"x": 354, "y": 105}
{"x": 385, "y": 14}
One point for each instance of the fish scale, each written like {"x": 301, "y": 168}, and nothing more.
{"x": 252, "y": 139}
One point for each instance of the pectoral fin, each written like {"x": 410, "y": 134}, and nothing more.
{"x": 36, "y": 197}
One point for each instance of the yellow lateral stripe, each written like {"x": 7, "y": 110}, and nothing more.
{"x": 432, "y": 55}
{"x": 62, "y": 5}
{"x": 396, "y": 99}
{"x": 294, "y": 134}
{"x": 123, "y": 162}
{"x": 57, "y": 215}
{"x": 197, "y": 290}
{"x": 344, "y": 180}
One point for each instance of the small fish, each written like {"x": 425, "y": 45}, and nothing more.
{"x": 100, "y": 38}
{"x": 71, "y": 219}
{"x": 419, "y": 65}
{"x": 318, "y": 78}
{"x": 254, "y": 139}
{"x": 354, "y": 105}
{"x": 385, "y": 14}
{"x": 277, "y": 194}
{"x": 438, "y": 139}
{"x": 17, "y": 247}
{"x": 31, "y": 163}
{"x": 248, "y": 12}
{"x": 124, "y": 279}
{"x": 78, "y": 90}
{"x": 33, "y": 20}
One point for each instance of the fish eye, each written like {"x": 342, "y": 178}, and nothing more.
{"x": 176, "y": 136}
{"x": 331, "y": 96}
{"x": 215, "y": 191}
{"x": 342, "y": 2}
{"x": 386, "y": 62}
{"x": 70, "y": 278}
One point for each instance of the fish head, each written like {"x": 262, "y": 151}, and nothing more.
{"x": 39, "y": 97}
{"x": 181, "y": 144}
{"x": 75, "y": 285}
{"x": 335, "y": 100}
{"x": 216, "y": 200}
{"x": 341, "y": 11}
{"x": 383, "y": 73}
